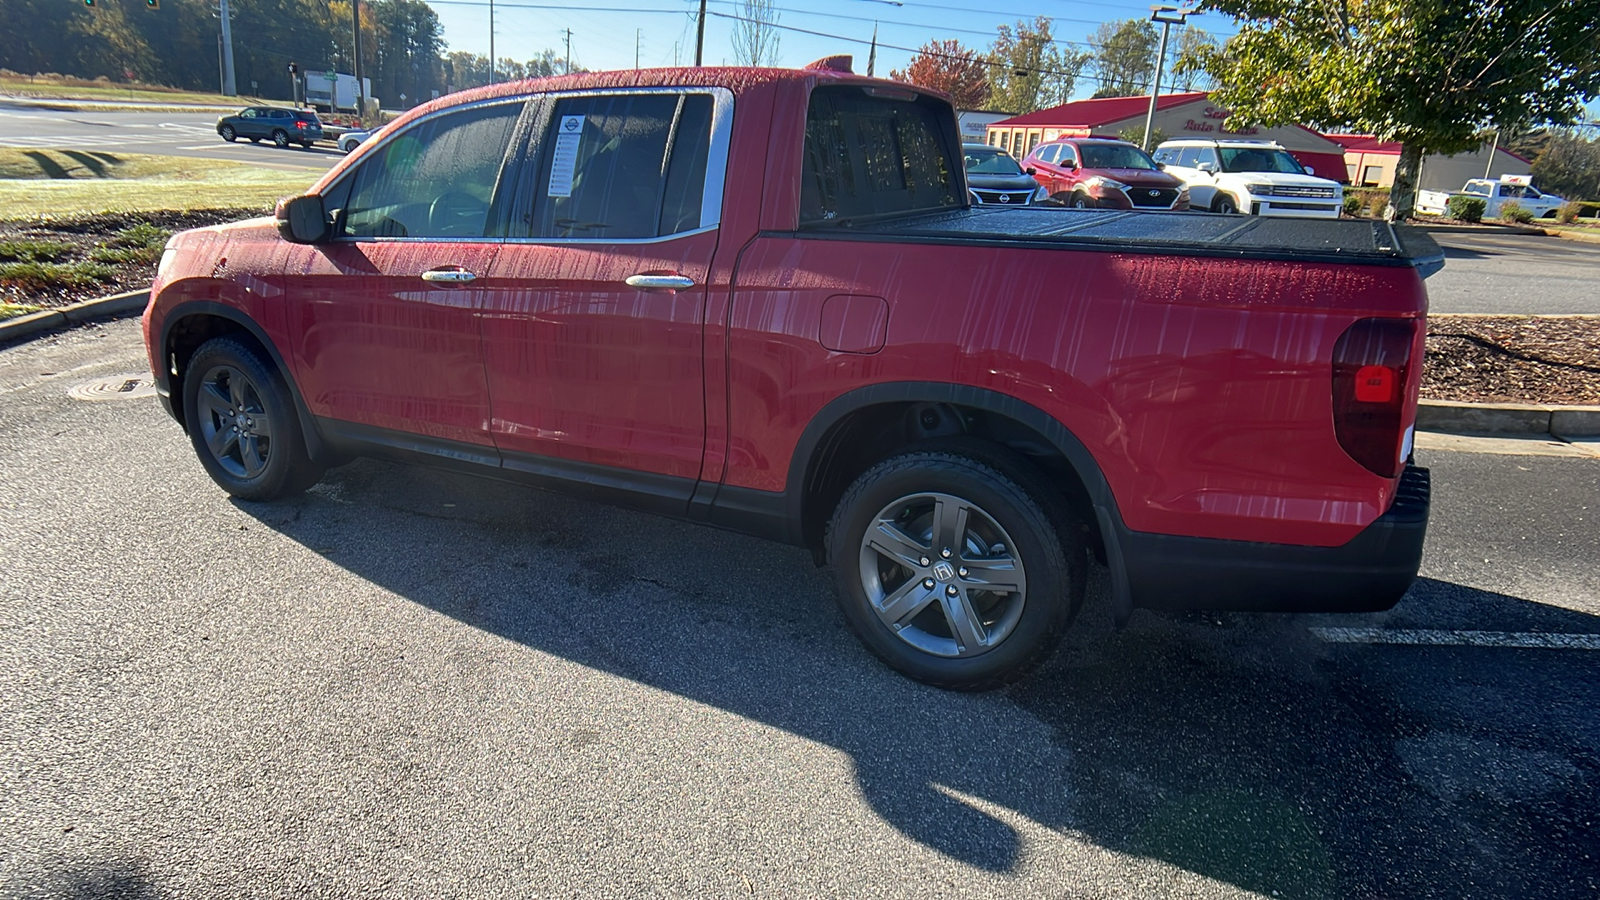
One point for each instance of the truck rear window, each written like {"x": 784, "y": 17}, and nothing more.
{"x": 869, "y": 156}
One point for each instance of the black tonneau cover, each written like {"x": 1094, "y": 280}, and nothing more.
{"x": 1181, "y": 233}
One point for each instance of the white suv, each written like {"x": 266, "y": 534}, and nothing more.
{"x": 1256, "y": 177}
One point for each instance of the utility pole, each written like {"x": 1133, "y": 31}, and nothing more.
{"x": 700, "y": 35}
{"x": 229, "y": 87}
{"x": 1168, "y": 16}
{"x": 491, "y": 41}
{"x": 637, "y": 33}
{"x": 355, "y": 27}
{"x": 569, "y": 51}
{"x": 1487, "y": 165}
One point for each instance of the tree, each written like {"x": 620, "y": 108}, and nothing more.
{"x": 1027, "y": 71}
{"x": 755, "y": 40}
{"x": 1188, "y": 66}
{"x": 947, "y": 66}
{"x": 1124, "y": 57}
{"x": 1426, "y": 73}
{"x": 1568, "y": 165}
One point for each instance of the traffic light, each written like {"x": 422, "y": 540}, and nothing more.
{"x": 294, "y": 69}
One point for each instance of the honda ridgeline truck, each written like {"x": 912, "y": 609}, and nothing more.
{"x": 763, "y": 299}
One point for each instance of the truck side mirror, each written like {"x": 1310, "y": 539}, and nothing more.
{"x": 302, "y": 220}
{"x": 1207, "y": 167}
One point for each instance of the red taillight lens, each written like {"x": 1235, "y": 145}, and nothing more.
{"x": 1371, "y": 368}
{"x": 299, "y": 124}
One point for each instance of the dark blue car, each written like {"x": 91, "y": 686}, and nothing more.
{"x": 272, "y": 123}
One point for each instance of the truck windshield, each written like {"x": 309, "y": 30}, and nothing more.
{"x": 1115, "y": 156}
{"x": 990, "y": 162}
{"x": 870, "y": 154}
{"x": 1259, "y": 159}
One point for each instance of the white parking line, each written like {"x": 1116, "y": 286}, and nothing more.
{"x": 1528, "y": 640}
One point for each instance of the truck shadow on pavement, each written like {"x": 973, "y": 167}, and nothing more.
{"x": 1239, "y": 747}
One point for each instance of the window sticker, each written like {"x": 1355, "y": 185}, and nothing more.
{"x": 564, "y": 159}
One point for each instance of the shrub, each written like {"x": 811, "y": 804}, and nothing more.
{"x": 1568, "y": 213}
{"x": 1466, "y": 209}
{"x": 1352, "y": 205}
{"x": 1512, "y": 211}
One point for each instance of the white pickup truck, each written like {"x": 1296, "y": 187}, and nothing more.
{"x": 1512, "y": 188}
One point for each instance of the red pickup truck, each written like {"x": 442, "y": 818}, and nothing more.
{"x": 760, "y": 299}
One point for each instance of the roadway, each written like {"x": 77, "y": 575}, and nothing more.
{"x": 1515, "y": 274}
{"x": 27, "y": 126}
{"x": 412, "y": 684}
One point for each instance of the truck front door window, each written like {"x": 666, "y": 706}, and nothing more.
{"x": 435, "y": 179}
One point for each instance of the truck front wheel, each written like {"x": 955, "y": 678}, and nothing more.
{"x": 955, "y": 565}
{"x": 1224, "y": 204}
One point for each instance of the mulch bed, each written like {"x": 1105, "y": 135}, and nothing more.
{"x": 1513, "y": 359}
{"x": 88, "y": 232}
{"x": 1493, "y": 359}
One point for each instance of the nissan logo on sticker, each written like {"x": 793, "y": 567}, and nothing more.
{"x": 571, "y": 123}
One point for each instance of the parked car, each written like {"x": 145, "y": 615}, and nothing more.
{"x": 1104, "y": 173}
{"x": 1514, "y": 188}
{"x": 647, "y": 293}
{"x": 271, "y": 123}
{"x": 350, "y": 140}
{"x": 1260, "y": 178}
{"x": 995, "y": 179}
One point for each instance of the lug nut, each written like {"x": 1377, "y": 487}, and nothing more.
{"x": 924, "y": 561}
{"x": 951, "y": 590}
{"x": 927, "y": 583}
{"x": 945, "y": 553}
{"x": 962, "y": 571}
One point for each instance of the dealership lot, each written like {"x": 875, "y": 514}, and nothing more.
{"x": 415, "y": 684}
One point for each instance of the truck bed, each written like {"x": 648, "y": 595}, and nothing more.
{"x": 1179, "y": 233}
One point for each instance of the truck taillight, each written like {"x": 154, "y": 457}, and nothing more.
{"x": 1371, "y": 370}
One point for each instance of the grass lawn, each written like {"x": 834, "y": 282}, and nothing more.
{"x": 105, "y": 92}
{"x": 56, "y": 183}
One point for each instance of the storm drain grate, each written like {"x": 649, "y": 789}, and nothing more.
{"x": 115, "y": 387}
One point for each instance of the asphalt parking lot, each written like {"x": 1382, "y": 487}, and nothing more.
{"x": 1486, "y": 273}
{"x": 410, "y": 684}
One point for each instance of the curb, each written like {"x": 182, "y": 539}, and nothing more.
{"x": 1480, "y": 229}
{"x": 50, "y": 319}
{"x": 1578, "y": 236}
{"x": 1508, "y": 418}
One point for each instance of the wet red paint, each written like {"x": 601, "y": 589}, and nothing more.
{"x": 1200, "y": 385}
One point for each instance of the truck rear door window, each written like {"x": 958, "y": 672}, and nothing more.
{"x": 869, "y": 156}
{"x": 624, "y": 166}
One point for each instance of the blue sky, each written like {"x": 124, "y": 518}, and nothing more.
{"x": 603, "y": 37}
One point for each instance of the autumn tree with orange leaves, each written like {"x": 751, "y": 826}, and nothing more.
{"x": 947, "y": 66}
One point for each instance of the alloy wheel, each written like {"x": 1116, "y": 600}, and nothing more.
{"x": 234, "y": 422}
{"x": 942, "y": 575}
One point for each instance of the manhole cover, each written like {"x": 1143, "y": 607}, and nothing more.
{"x": 115, "y": 387}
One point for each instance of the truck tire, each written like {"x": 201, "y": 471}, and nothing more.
{"x": 1223, "y": 203}
{"x": 243, "y": 423}
{"x": 956, "y": 565}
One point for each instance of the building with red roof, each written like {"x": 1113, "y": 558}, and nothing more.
{"x": 1177, "y": 116}
{"x": 1370, "y": 162}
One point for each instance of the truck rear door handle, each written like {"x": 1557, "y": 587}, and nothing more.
{"x": 659, "y": 282}
{"x": 449, "y": 276}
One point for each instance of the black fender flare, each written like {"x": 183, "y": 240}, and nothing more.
{"x": 1108, "y": 518}
{"x": 316, "y": 447}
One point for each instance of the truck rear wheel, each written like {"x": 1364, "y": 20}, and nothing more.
{"x": 954, "y": 565}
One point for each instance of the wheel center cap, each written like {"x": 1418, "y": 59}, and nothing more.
{"x": 944, "y": 571}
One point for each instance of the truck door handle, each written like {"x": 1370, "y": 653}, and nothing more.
{"x": 659, "y": 282}
{"x": 449, "y": 276}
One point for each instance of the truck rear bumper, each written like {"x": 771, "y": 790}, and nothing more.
{"x": 1369, "y": 573}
